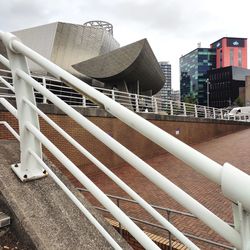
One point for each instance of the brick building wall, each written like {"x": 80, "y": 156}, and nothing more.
{"x": 189, "y": 130}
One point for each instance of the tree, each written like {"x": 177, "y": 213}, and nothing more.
{"x": 238, "y": 102}
{"x": 190, "y": 98}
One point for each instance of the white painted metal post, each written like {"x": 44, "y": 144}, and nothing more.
{"x": 214, "y": 115}
{"x": 221, "y": 114}
{"x": 205, "y": 111}
{"x": 83, "y": 101}
{"x": 136, "y": 103}
{"x": 195, "y": 111}
{"x": 44, "y": 84}
{"x": 171, "y": 107}
{"x": 155, "y": 105}
{"x": 113, "y": 94}
{"x": 242, "y": 225}
{"x": 28, "y": 168}
{"x": 184, "y": 109}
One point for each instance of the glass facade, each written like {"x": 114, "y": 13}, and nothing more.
{"x": 225, "y": 84}
{"x": 193, "y": 74}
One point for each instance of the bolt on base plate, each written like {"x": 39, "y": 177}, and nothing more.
{"x": 28, "y": 175}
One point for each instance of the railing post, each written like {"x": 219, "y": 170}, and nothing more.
{"x": 169, "y": 233}
{"x": 155, "y": 105}
{"x": 120, "y": 226}
{"x": 221, "y": 114}
{"x": 29, "y": 168}
{"x": 171, "y": 108}
{"x": 113, "y": 94}
{"x": 184, "y": 109}
{"x": 44, "y": 84}
{"x": 242, "y": 224}
{"x": 214, "y": 115}
{"x": 205, "y": 111}
{"x": 195, "y": 111}
{"x": 136, "y": 103}
{"x": 83, "y": 101}
{"x": 152, "y": 103}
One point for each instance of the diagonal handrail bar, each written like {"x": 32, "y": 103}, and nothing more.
{"x": 212, "y": 170}
{"x": 199, "y": 162}
{"x": 75, "y": 200}
{"x": 12, "y": 131}
{"x": 159, "y": 180}
{"x": 116, "y": 179}
{"x": 84, "y": 180}
{"x": 193, "y": 158}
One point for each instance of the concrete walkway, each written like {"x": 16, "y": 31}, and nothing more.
{"x": 233, "y": 148}
{"x": 42, "y": 216}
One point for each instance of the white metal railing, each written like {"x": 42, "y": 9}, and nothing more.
{"x": 170, "y": 213}
{"x": 135, "y": 102}
{"x": 31, "y": 139}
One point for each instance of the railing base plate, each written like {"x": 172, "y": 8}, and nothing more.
{"x": 28, "y": 175}
{"x": 4, "y": 220}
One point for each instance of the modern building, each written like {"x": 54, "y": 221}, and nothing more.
{"x": 165, "y": 92}
{"x": 193, "y": 74}
{"x": 132, "y": 68}
{"x": 230, "y": 51}
{"x": 175, "y": 95}
{"x": 91, "y": 53}
{"x": 225, "y": 84}
{"x": 228, "y": 79}
{"x": 65, "y": 43}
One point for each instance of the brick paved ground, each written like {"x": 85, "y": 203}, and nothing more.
{"x": 233, "y": 148}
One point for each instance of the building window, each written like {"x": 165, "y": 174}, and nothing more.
{"x": 231, "y": 56}
{"x": 240, "y": 57}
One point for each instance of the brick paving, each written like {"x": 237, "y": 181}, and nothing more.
{"x": 233, "y": 148}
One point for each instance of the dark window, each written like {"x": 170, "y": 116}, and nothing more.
{"x": 220, "y": 58}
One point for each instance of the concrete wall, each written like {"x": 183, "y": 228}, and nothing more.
{"x": 190, "y": 130}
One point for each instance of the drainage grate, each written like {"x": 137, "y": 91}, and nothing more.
{"x": 4, "y": 220}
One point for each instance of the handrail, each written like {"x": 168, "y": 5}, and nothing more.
{"x": 8, "y": 106}
{"x": 212, "y": 170}
{"x": 112, "y": 176}
{"x": 12, "y": 131}
{"x": 160, "y": 227}
{"x": 142, "y": 102}
{"x": 77, "y": 203}
{"x": 84, "y": 180}
{"x": 179, "y": 195}
{"x": 168, "y": 210}
{"x": 154, "y": 206}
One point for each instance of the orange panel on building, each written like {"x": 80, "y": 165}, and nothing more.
{"x": 231, "y": 51}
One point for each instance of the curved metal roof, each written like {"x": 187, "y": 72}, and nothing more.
{"x": 132, "y": 63}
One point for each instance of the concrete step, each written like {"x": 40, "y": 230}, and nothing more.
{"x": 4, "y": 220}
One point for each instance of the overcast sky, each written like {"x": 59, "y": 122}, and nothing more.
{"x": 172, "y": 27}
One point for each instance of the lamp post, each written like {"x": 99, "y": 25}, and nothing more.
{"x": 207, "y": 81}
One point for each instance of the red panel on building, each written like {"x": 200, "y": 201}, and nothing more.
{"x": 231, "y": 51}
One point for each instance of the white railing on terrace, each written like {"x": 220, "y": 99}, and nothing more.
{"x": 135, "y": 102}
{"x": 33, "y": 167}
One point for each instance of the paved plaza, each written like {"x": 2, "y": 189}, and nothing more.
{"x": 233, "y": 148}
